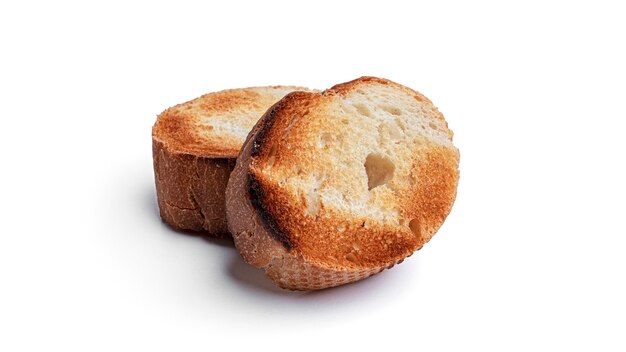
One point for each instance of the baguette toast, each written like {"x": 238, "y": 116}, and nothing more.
{"x": 336, "y": 186}
{"x": 195, "y": 145}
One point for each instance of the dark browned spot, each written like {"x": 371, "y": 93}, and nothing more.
{"x": 379, "y": 170}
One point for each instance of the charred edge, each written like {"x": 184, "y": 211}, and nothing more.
{"x": 256, "y": 198}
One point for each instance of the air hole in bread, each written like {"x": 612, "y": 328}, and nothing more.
{"x": 395, "y": 132}
{"x": 325, "y": 138}
{"x": 391, "y": 109}
{"x": 351, "y": 257}
{"x": 363, "y": 110}
{"x": 341, "y": 227}
{"x": 379, "y": 170}
{"x": 400, "y": 124}
{"x": 271, "y": 157}
{"x": 312, "y": 202}
{"x": 414, "y": 225}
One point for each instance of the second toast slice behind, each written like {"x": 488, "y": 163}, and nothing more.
{"x": 195, "y": 145}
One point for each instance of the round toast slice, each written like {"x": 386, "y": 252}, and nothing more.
{"x": 336, "y": 186}
{"x": 195, "y": 145}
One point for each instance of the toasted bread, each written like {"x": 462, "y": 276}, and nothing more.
{"x": 195, "y": 145}
{"x": 334, "y": 187}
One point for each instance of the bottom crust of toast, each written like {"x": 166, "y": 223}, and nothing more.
{"x": 294, "y": 273}
{"x": 191, "y": 190}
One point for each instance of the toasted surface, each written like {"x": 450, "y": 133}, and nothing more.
{"x": 216, "y": 124}
{"x": 194, "y": 149}
{"x": 348, "y": 181}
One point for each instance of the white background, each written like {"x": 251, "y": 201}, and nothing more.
{"x": 532, "y": 256}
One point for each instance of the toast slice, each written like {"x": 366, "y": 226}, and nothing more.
{"x": 195, "y": 145}
{"x": 336, "y": 186}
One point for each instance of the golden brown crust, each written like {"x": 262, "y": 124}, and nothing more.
{"x": 179, "y": 132}
{"x": 188, "y": 127}
{"x": 272, "y": 228}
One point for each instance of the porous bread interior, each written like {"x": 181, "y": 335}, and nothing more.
{"x": 316, "y": 172}
{"x": 216, "y": 124}
{"x": 365, "y": 122}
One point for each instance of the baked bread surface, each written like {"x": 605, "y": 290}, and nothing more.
{"x": 336, "y": 186}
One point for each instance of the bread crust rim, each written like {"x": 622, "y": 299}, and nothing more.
{"x": 207, "y": 155}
